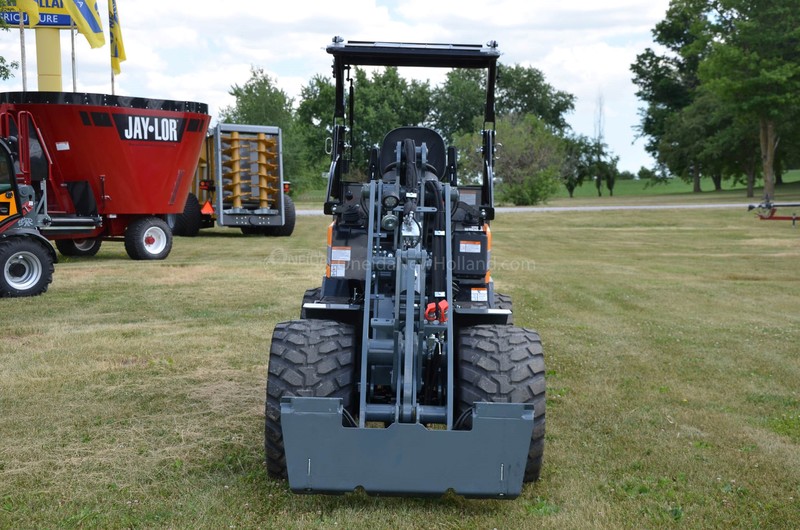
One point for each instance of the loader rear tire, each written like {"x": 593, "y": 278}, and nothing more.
{"x": 499, "y": 301}
{"x": 311, "y": 358}
{"x": 310, "y": 296}
{"x": 503, "y": 301}
{"x": 504, "y": 364}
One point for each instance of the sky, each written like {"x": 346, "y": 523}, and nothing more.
{"x": 196, "y": 50}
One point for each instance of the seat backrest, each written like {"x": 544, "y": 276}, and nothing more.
{"x": 437, "y": 154}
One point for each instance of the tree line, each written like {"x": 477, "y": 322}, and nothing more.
{"x": 538, "y": 150}
{"x": 722, "y": 92}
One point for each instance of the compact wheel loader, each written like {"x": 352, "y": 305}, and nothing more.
{"x": 404, "y": 374}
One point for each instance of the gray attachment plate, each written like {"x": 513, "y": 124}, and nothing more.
{"x": 322, "y": 456}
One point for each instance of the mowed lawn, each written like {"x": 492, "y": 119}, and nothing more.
{"x": 132, "y": 393}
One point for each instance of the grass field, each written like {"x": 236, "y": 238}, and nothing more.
{"x": 132, "y": 393}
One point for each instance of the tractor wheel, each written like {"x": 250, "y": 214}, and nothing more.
{"x": 79, "y": 247}
{"x": 148, "y": 238}
{"x": 503, "y": 301}
{"x": 26, "y": 266}
{"x": 313, "y": 358}
{"x": 504, "y": 364}
{"x": 311, "y": 295}
{"x": 289, "y": 217}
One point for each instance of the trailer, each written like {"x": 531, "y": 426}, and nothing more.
{"x": 102, "y": 167}
{"x": 239, "y": 183}
{"x": 767, "y": 210}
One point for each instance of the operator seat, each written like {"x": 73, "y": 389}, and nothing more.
{"x": 437, "y": 154}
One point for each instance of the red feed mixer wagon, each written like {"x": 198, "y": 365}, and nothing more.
{"x": 104, "y": 168}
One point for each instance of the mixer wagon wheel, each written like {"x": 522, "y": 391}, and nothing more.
{"x": 189, "y": 222}
{"x": 78, "y": 247}
{"x": 289, "y": 216}
{"x": 148, "y": 238}
{"x": 312, "y": 358}
{"x": 26, "y": 268}
{"x": 503, "y": 364}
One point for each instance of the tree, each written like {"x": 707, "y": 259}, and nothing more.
{"x": 577, "y": 162}
{"x": 384, "y": 101}
{"x": 753, "y": 64}
{"x": 529, "y": 163}
{"x": 668, "y": 84}
{"x": 611, "y": 173}
{"x": 260, "y": 102}
{"x": 457, "y": 102}
{"x": 646, "y": 173}
{"x": 667, "y": 81}
{"x": 588, "y": 159}
{"x": 520, "y": 90}
{"x": 524, "y": 90}
{"x": 6, "y": 67}
{"x": 314, "y": 120}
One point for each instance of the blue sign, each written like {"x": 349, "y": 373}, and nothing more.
{"x": 49, "y": 20}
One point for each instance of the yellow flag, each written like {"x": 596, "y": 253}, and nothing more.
{"x": 115, "y": 34}
{"x": 85, "y": 15}
{"x": 31, "y": 8}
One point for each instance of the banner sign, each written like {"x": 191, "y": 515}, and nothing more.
{"x": 52, "y": 14}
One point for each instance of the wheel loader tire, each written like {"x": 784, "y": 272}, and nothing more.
{"x": 148, "y": 238}
{"x": 78, "y": 247}
{"x": 26, "y": 267}
{"x": 289, "y": 217}
{"x": 504, "y": 364}
{"x": 311, "y": 295}
{"x": 503, "y": 301}
{"x": 312, "y": 358}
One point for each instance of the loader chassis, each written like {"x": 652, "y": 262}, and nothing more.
{"x": 26, "y": 257}
{"x": 404, "y": 374}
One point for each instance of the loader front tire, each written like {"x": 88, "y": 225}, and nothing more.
{"x": 504, "y": 364}
{"x": 311, "y": 358}
{"x": 26, "y": 267}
